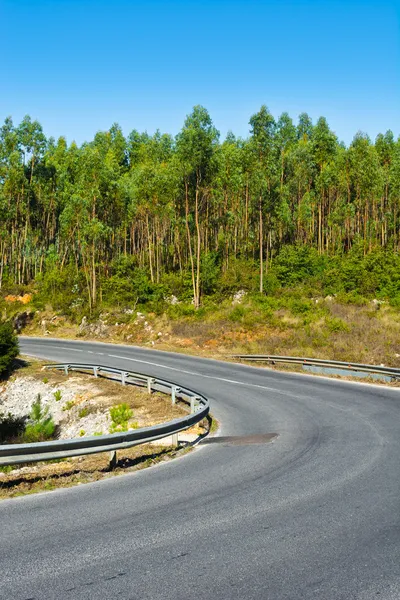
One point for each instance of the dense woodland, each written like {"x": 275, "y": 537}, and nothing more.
{"x": 190, "y": 214}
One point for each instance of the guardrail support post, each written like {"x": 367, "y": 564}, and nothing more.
{"x": 66, "y": 367}
{"x": 174, "y": 390}
{"x": 193, "y": 403}
{"x": 124, "y": 375}
{"x": 113, "y": 460}
{"x": 95, "y": 371}
{"x": 175, "y": 439}
{"x": 150, "y": 382}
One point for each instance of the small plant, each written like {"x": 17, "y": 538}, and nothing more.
{"x": 68, "y": 405}
{"x": 7, "y": 468}
{"x": 98, "y": 433}
{"x": 120, "y": 416}
{"x": 83, "y": 412}
{"x": 57, "y": 395}
{"x": 82, "y": 433}
{"x": 335, "y": 325}
{"x": 41, "y": 426}
{"x": 45, "y": 380}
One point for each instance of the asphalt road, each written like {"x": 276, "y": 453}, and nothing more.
{"x": 313, "y": 514}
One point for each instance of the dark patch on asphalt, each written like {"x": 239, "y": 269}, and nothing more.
{"x": 241, "y": 440}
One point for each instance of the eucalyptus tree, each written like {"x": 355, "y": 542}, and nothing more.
{"x": 263, "y": 128}
{"x": 196, "y": 145}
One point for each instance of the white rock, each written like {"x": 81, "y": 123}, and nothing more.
{"x": 239, "y": 296}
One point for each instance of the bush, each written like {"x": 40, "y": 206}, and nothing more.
{"x": 57, "y": 395}
{"x": 120, "y": 416}
{"x": 335, "y": 325}
{"x": 41, "y": 426}
{"x": 11, "y": 427}
{"x": 8, "y": 348}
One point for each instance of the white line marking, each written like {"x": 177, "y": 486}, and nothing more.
{"x": 263, "y": 387}
{"x": 73, "y": 349}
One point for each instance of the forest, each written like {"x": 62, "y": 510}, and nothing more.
{"x": 126, "y": 220}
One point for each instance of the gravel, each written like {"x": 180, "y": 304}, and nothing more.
{"x": 18, "y": 395}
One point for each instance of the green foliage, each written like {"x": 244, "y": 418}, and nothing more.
{"x": 41, "y": 426}
{"x": 83, "y": 412}
{"x": 57, "y": 395}
{"x": 8, "y": 348}
{"x": 127, "y": 222}
{"x": 45, "y": 380}
{"x": 68, "y": 405}
{"x": 130, "y": 285}
{"x": 120, "y": 416}
{"x": 295, "y": 264}
{"x": 11, "y": 427}
{"x": 335, "y": 325}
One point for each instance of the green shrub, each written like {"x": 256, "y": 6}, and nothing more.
{"x": 57, "y": 395}
{"x": 11, "y": 427}
{"x": 68, "y": 405}
{"x": 120, "y": 415}
{"x": 237, "y": 314}
{"x": 8, "y": 348}
{"x": 45, "y": 380}
{"x": 335, "y": 325}
{"x": 41, "y": 426}
{"x": 83, "y": 412}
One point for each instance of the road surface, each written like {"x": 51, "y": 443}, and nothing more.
{"x": 313, "y": 514}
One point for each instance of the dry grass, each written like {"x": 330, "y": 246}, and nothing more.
{"x": 49, "y": 476}
{"x": 329, "y": 330}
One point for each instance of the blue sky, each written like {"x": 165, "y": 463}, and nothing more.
{"x": 79, "y": 65}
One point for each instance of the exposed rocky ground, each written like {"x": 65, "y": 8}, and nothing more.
{"x": 80, "y": 406}
{"x": 75, "y": 405}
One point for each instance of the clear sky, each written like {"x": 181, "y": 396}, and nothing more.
{"x": 79, "y": 65}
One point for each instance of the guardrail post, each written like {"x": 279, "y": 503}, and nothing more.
{"x": 174, "y": 390}
{"x": 113, "y": 460}
{"x": 175, "y": 439}
{"x": 95, "y": 371}
{"x": 150, "y": 381}
{"x": 124, "y": 375}
{"x": 193, "y": 402}
{"x": 66, "y": 367}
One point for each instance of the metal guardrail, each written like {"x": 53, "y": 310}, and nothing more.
{"x": 391, "y": 372}
{"x": 12, "y": 454}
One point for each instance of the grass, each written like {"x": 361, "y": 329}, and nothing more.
{"x": 68, "y": 405}
{"x": 348, "y": 327}
{"x": 57, "y": 395}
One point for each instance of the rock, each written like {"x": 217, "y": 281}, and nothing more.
{"x": 22, "y": 319}
{"x": 238, "y": 297}
{"x": 97, "y": 329}
{"x": 83, "y": 325}
{"x": 172, "y": 300}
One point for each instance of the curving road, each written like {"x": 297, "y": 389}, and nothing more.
{"x": 313, "y": 514}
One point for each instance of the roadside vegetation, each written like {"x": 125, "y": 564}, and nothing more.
{"x": 99, "y": 406}
{"x": 287, "y": 241}
{"x": 8, "y": 348}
